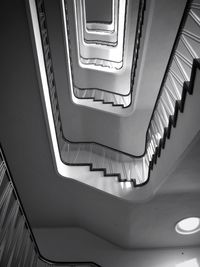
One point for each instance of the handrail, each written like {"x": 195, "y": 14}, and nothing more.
{"x": 16, "y": 234}
{"x": 111, "y": 64}
{"x": 106, "y": 33}
{"x": 86, "y": 52}
{"x": 171, "y": 99}
{"x": 103, "y": 96}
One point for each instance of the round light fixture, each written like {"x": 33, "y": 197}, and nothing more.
{"x": 188, "y": 226}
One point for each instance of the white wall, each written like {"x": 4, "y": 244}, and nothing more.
{"x": 75, "y": 244}
{"x": 117, "y": 131}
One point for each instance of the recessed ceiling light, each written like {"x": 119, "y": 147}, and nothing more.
{"x": 188, "y": 226}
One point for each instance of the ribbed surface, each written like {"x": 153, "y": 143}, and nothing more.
{"x": 104, "y": 97}
{"x": 17, "y": 243}
{"x": 171, "y": 100}
{"x": 16, "y": 246}
{"x": 98, "y": 94}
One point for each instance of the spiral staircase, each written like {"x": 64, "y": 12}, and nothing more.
{"x": 99, "y": 57}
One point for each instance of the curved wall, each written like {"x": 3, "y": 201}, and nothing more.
{"x": 122, "y": 133}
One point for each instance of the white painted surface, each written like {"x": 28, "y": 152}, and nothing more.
{"x": 102, "y": 127}
{"x": 50, "y": 201}
{"x": 72, "y": 244}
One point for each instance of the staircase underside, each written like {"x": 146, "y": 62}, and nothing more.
{"x": 100, "y": 166}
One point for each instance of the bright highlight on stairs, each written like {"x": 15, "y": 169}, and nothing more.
{"x": 188, "y": 226}
{"x": 102, "y": 52}
{"x": 102, "y": 167}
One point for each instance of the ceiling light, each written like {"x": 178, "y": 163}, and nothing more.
{"x": 188, "y": 226}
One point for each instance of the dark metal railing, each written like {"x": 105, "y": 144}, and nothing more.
{"x": 171, "y": 98}
{"x": 99, "y": 94}
{"x": 18, "y": 246}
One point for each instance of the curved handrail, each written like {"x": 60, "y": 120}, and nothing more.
{"x": 116, "y": 99}
{"x": 11, "y": 245}
{"x": 103, "y": 96}
{"x": 107, "y": 33}
{"x": 110, "y": 64}
{"x": 88, "y": 53}
{"x": 170, "y": 100}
